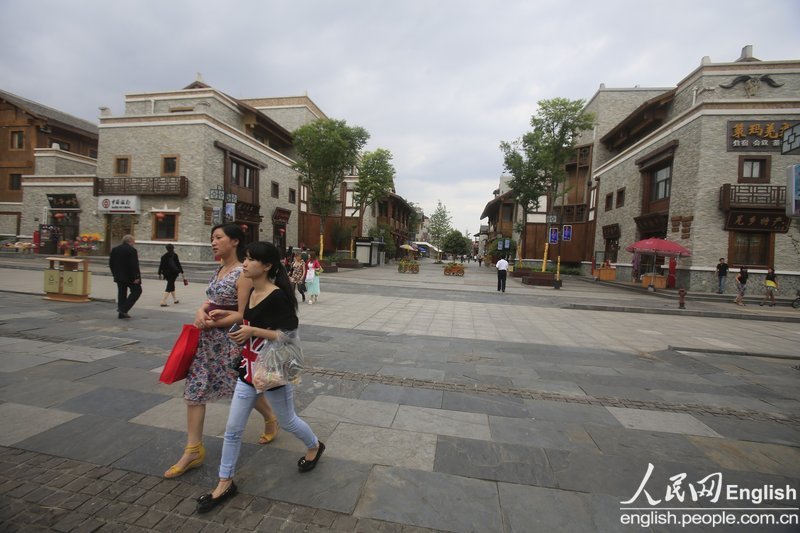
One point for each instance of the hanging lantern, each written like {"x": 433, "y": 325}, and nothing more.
{"x": 245, "y": 227}
{"x": 59, "y": 216}
{"x": 160, "y": 216}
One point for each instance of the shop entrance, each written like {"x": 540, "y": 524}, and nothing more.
{"x": 117, "y": 226}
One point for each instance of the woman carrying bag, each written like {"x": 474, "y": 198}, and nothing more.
{"x": 313, "y": 270}
{"x": 298, "y": 275}
{"x": 169, "y": 268}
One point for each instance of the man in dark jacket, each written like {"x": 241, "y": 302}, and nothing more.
{"x": 124, "y": 265}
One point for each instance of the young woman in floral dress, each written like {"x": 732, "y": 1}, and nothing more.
{"x": 212, "y": 375}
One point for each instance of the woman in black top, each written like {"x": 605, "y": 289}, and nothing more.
{"x": 271, "y": 310}
{"x": 169, "y": 268}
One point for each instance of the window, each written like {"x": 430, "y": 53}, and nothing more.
{"x": 620, "y": 197}
{"x": 292, "y": 196}
{"x": 242, "y": 174}
{"x": 60, "y": 145}
{"x": 508, "y": 213}
{"x": 303, "y": 198}
{"x": 749, "y": 248}
{"x": 753, "y": 169}
{"x": 165, "y": 226}
{"x": 609, "y": 201}
{"x": 169, "y": 165}
{"x": 122, "y": 166}
{"x": 275, "y": 190}
{"x": 15, "y": 182}
{"x": 17, "y": 140}
{"x": 662, "y": 183}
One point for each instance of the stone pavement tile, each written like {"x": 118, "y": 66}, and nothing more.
{"x": 43, "y": 392}
{"x": 112, "y": 402}
{"x": 630, "y": 393}
{"x": 752, "y": 430}
{"x": 382, "y": 446}
{"x": 402, "y": 395}
{"x": 92, "y": 438}
{"x": 12, "y": 362}
{"x": 546, "y": 368}
{"x": 540, "y": 433}
{"x": 8, "y": 378}
{"x": 136, "y": 360}
{"x": 413, "y": 372}
{"x": 335, "y": 484}
{"x": 315, "y": 385}
{"x": 465, "y": 373}
{"x": 543, "y": 509}
{"x": 23, "y": 421}
{"x": 681, "y": 423}
{"x": 430, "y": 499}
{"x": 751, "y": 456}
{"x": 133, "y": 379}
{"x": 569, "y": 412}
{"x": 489, "y": 404}
{"x": 653, "y": 445}
{"x": 494, "y": 461}
{"x": 171, "y": 414}
{"x": 715, "y": 400}
{"x": 66, "y": 370}
{"x": 544, "y": 385}
{"x": 442, "y": 422}
{"x": 365, "y": 412}
{"x": 501, "y": 370}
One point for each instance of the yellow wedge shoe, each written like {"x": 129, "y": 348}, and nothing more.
{"x": 266, "y": 438}
{"x": 175, "y": 470}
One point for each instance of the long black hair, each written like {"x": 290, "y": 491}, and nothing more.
{"x": 233, "y": 231}
{"x": 268, "y": 253}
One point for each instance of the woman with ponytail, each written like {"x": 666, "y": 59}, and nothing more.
{"x": 270, "y": 310}
{"x": 212, "y": 375}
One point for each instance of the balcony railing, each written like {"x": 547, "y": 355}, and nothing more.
{"x": 752, "y": 197}
{"x": 158, "y": 186}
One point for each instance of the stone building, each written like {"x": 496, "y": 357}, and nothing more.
{"x": 38, "y": 139}
{"x": 701, "y": 164}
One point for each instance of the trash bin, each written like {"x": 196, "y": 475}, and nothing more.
{"x": 67, "y": 280}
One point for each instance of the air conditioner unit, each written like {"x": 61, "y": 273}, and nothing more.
{"x": 45, "y": 129}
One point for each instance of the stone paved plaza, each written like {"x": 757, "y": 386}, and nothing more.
{"x": 443, "y": 404}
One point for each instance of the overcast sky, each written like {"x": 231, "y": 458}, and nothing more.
{"x": 438, "y": 83}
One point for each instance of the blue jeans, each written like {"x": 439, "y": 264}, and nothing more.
{"x": 244, "y": 398}
{"x": 722, "y": 284}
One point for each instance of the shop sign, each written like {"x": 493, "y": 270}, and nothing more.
{"x": 118, "y": 204}
{"x": 749, "y": 221}
{"x": 63, "y": 201}
{"x": 757, "y": 135}
{"x": 281, "y": 216}
{"x": 567, "y": 233}
{"x": 553, "y": 235}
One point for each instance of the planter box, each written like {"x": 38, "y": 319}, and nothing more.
{"x": 328, "y": 267}
{"x": 348, "y": 263}
{"x": 658, "y": 282}
{"x": 606, "y": 274}
{"x": 408, "y": 269}
{"x": 539, "y": 279}
{"x": 521, "y": 272}
{"x": 454, "y": 270}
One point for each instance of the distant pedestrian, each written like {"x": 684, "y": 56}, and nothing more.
{"x": 170, "y": 268}
{"x": 124, "y": 264}
{"x": 298, "y": 275}
{"x": 480, "y": 260}
{"x": 771, "y": 287}
{"x": 313, "y": 270}
{"x": 722, "y": 275}
{"x": 502, "y": 273}
{"x": 741, "y": 286}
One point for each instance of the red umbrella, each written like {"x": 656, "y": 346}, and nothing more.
{"x": 658, "y": 246}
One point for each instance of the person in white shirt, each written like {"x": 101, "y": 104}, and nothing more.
{"x": 502, "y": 273}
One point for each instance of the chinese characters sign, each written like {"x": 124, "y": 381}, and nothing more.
{"x": 63, "y": 201}
{"x": 749, "y": 221}
{"x": 118, "y": 204}
{"x": 756, "y": 135}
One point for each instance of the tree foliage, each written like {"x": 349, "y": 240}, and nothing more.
{"x": 455, "y": 243}
{"x": 375, "y": 178}
{"x": 326, "y": 151}
{"x": 383, "y": 231}
{"x": 413, "y": 221}
{"x": 537, "y": 160}
{"x": 439, "y": 225}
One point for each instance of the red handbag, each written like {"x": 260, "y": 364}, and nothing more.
{"x": 181, "y": 356}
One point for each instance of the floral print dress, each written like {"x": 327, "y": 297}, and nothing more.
{"x": 212, "y": 375}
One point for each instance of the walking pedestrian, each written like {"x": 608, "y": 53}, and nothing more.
{"x": 480, "y": 260}
{"x": 170, "y": 268}
{"x": 212, "y": 375}
{"x": 502, "y": 273}
{"x": 270, "y": 311}
{"x": 722, "y": 275}
{"x": 771, "y": 287}
{"x": 741, "y": 286}
{"x": 298, "y": 275}
{"x": 313, "y": 270}
{"x": 124, "y": 264}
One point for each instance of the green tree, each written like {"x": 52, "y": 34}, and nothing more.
{"x": 439, "y": 226}
{"x": 375, "y": 180}
{"x": 455, "y": 243}
{"x": 326, "y": 150}
{"x": 537, "y": 160}
{"x": 413, "y": 221}
{"x": 382, "y": 230}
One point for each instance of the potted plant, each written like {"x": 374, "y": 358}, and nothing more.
{"x": 87, "y": 242}
{"x": 408, "y": 266}
{"x": 454, "y": 269}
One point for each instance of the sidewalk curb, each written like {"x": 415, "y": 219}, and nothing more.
{"x": 682, "y": 312}
{"x": 734, "y": 352}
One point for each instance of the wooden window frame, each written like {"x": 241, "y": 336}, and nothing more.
{"x": 12, "y": 135}
{"x": 117, "y": 159}
{"x": 177, "y": 158}
{"x": 11, "y": 182}
{"x": 653, "y": 187}
{"x": 155, "y": 236}
{"x": 620, "y": 197}
{"x": 770, "y": 259}
{"x": 765, "y": 168}
{"x": 609, "y": 202}
{"x": 275, "y": 189}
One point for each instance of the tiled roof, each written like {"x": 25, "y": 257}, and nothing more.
{"x": 39, "y": 110}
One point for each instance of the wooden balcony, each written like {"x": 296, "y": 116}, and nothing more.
{"x": 752, "y": 197}
{"x": 158, "y": 186}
